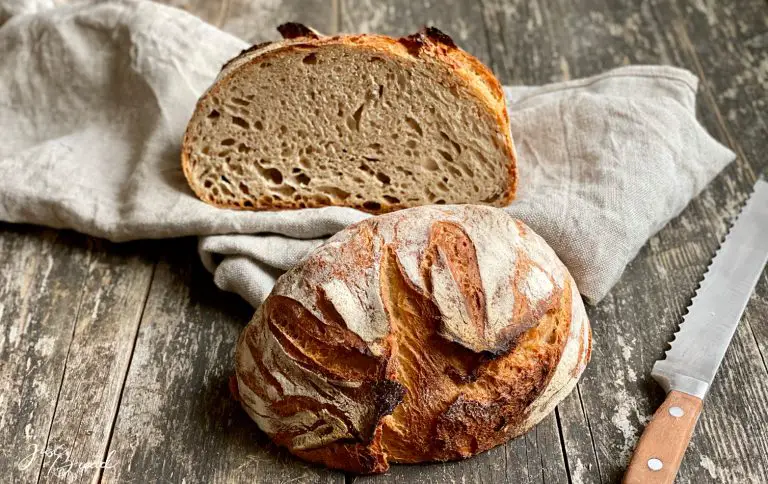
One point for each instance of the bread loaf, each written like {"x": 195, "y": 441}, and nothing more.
{"x": 428, "y": 334}
{"x": 363, "y": 121}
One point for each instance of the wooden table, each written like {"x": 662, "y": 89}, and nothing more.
{"x": 121, "y": 353}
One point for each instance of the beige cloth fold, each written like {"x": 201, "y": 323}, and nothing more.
{"x": 94, "y": 99}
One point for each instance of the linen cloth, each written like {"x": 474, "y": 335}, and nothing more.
{"x": 95, "y": 97}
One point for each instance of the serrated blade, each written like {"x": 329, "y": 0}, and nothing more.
{"x": 714, "y": 313}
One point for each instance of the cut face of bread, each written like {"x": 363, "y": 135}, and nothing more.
{"x": 361, "y": 121}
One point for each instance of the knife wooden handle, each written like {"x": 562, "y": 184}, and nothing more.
{"x": 661, "y": 448}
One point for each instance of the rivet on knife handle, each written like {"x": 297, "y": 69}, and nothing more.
{"x": 661, "y": 447}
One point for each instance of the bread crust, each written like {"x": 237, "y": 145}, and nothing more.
{"x": 429, "y": 45}
{"x": 429, "y": 334}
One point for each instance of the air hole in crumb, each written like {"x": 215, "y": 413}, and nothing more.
{"x": 240, "y": 122}
{"x": 240, "y": 101}
{"x": 467, "y": 169}
{"x": 383, "y": 178}
{"x": 302, "y": 179}
{"x": 455, "y": 172}
{"x": 206, "y": 150}
{"x": 227, "y": 142}
{"x": 244, "y": 188}
{"x": 447, "y": 138}
{"x": 375, "y": 146}
{"x": 311, "y": 59}
{"x": 381, "y": 90}
{"x": 215, "y": 191}
{"x": 429, "y": 164}
{"x": 440, "y": 202}
{"x": 274, "y": 175}
{"x": 242, "y": 148}
{"x": 265, "y": 64}
{"x": 442, "y": 187}
{"x": 395, "y": 136}
{"x": 286, "y": 190}
{"x": 214, "y": 114}
{"x": 296, "y": 170}
{"x": 305, "y": 163}
{"x": 369, "y": 205}
{"x": 259, "y": 125}
{"x": 366, "y": 169}
{"x": 376, "y": 59}
{"x": 335, "y": 192}
{"x": 414, "y": 125}
{"x": 283, "y": 130}
{"x": 392, "y": 200}
{"x": 446, "y": 155}
{"x": 321, "y": 199}
{"x": 248, "y": 203}
{"x": 354, "y": 122}
{"x": 225, "y": 179}
{"x": 208, "y": 184}
{"x": 410, "y": 143}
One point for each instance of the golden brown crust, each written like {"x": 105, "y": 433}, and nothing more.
{"x": 434, "y": 383}
{"x": 428, "y": 45}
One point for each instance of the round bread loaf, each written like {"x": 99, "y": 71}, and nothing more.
{"x": 428, "y": 334}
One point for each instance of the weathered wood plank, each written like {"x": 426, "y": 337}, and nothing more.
{"x": 111, "y": 304}
{"x": 41, "y": 278}
{"x": 177, "y": 420}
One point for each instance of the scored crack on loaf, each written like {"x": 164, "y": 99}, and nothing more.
{"x": 428, "y": 334}
{"x": 364, "y": 121}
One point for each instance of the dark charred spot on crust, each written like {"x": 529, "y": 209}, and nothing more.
{"x": 472, "y": 371}
{"x": 293, "y": 30}
{"x": 258, "y": 46}
{"x": 387, "y": 395}
{"x": 438, "y": 36}
{"x": 415, "y": 42}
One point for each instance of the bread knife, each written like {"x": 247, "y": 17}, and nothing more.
{"x": 698, "y": 347}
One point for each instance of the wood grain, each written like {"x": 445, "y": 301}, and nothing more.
{"x": 114, "y": 293}
{"x": 661, "y": 447}
{"x": 41, "y": 280}
{"x": 177, "y": 421}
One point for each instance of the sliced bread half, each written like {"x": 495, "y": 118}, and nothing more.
{"x": 364, "y": 121}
